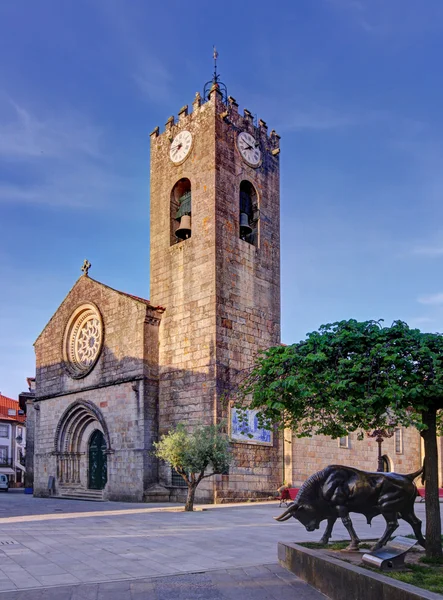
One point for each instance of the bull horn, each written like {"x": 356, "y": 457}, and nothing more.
{"x": 287, "y": 514}
{"x": 413, "y": 476}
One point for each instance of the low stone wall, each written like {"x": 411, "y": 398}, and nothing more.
{"x": 225, "y": 497}
{"x": 338, "y": 580}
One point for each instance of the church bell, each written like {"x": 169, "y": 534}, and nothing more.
{"x": 184, "y": 229}
{"x": 245, "y": 228}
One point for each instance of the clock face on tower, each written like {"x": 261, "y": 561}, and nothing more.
{"x": 248, "y": 148}
{"x": 180, "y": 147}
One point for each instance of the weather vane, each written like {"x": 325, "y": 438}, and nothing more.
{"x": 215, "y": 81}
{"x": 86, "y": 266}
{"x": 215, "y": 55}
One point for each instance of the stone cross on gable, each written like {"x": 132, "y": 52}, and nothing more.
{"x": 86, "y": 267}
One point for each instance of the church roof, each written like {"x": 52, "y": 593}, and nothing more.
{"x": 131, "y": 296}
{"x": 7, "y": 406}
{"x": 143, "y": 300}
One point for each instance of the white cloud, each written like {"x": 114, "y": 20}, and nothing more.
{"x": 419, "y": 321}
{"x": 431, "y": 299}
{"x": 149, "y": 73}
{"x": 73, "y": 186}
{"x": 24, "y": 135}
{"x": 320, "y": 118}
{"x": 393, "y": 19}
{"x": 430, "y": 251}
{"x": 404, "y": 130}
{"x": 62, "y": 160}
{"x": 154, "y": 80}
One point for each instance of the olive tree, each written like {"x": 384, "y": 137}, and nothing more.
{"x": 195, "y": 455}
{"x": 356, "y": 376}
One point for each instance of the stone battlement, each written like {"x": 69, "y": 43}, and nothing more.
{"x": 229, "y": 113}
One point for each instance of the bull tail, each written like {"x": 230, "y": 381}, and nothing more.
{"x": 414, "y": 475}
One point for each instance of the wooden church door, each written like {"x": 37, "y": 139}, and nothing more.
{"x": 98, "y": 469}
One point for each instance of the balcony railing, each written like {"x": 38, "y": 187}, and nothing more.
{"x": 5, "y": 462}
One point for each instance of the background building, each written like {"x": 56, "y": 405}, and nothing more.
{"x": 12, "y": 441}
{"x": 26, "y": 400}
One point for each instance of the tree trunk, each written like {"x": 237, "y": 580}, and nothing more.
{"x": 189, "y": 506}
{"x": 433, "y": 520}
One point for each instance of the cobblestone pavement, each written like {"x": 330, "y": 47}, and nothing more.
{"x": 265, "y": 582}
{"x": 50, "y": 542}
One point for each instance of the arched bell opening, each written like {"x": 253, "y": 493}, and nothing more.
{"x": 181, "y": 211}
{"x": 249, "y": 213}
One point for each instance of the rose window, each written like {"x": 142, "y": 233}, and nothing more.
{"x": 83, "y": 340}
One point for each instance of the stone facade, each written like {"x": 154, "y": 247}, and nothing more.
{"x": 221, "y": 293}
{"x": 122, "y": 370}
{"x": 117, "y": 397}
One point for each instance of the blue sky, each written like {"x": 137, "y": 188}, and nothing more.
{"x": 354, "y": 88}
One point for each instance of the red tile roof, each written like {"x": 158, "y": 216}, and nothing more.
{"x": 9, "y": 403}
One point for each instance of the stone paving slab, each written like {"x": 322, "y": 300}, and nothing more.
{"x": 262, "y": 582}
{"x": 91, "y": 542}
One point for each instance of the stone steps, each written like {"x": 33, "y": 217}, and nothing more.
{"x": 80, "y": 494}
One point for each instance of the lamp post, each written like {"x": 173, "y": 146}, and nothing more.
{"x": 380, "y": 435}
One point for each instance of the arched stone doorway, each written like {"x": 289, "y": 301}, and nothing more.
{"x": 386, "y": 463}
{"x": 98, "y": 464}
{"x": 82, "y": 430}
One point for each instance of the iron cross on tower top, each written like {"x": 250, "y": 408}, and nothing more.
{"x": 86, "y": 266}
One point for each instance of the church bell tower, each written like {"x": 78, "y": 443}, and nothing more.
{"x": 215, "y": 268}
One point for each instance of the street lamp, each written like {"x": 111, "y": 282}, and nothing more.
{"x": 380, "y": 435}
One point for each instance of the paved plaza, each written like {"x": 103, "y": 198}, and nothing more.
{"x": 136, "y": 551}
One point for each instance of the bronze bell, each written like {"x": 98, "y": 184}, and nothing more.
{"x": 184, "y": 229}
{"x": 245, "y": 228}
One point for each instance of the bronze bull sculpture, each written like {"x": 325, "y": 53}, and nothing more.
{"x": 337, "y": 491}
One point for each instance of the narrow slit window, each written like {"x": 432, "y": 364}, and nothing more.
{"x": 343, "y": 442}
{"x": 398, "y": 438}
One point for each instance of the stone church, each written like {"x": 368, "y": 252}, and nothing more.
{"x": 115, "y": 371}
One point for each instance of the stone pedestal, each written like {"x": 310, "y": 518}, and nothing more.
{"x": 156, "y": 493}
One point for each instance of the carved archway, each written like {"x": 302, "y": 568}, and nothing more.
{"x": 69, "y": 439}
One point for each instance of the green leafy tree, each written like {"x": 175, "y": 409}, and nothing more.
{"x": 357, "y": 376}
{"x": 195, "y": 455}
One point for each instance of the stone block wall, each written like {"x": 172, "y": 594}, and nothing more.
{"x": 248, "y": 288}
{"x": 183, "y": 280}
{"x": 221, "y": 295}
{"x": 124, "y": 415}
{"x": 122, "y": 386}
{"x": 183, "y": 274}
{"x": 313, "y": 454}
{"x": 130, "y": 330}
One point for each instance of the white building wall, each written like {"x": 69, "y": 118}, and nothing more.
{"x": 5, "y": 443}
{"x": 10, "y": 448}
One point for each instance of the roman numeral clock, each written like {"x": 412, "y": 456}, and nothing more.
{"x": 249, "y": 149}
{"x": 181, "y": 146}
